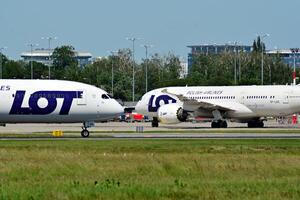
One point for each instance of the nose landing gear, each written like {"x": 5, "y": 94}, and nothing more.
{"x": 218, "y": 121}
{"x": 155, "y": 122}
{"x": 85, "y": 133}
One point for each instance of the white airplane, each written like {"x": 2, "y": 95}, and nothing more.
{"x": 245, "y": 104}
{"x": 55, "y": 101}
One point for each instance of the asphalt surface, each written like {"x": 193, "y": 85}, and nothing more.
{"x": 123, "y": 126}
{"x": 105, "y": 131}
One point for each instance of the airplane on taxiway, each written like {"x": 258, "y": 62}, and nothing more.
{"x": 55, "y": 101}
{"x": 244, "y": 104}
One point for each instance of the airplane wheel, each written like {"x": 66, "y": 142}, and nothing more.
{"x": 85, "y": 133}
{"x": 250, "y": 124}
{"x": 223, "y": 124}
{"x": 154, "y": 122}
{"x": 261, "y": 124}
{"x": 215, "y": 124}
{"x": 255, "y": 124}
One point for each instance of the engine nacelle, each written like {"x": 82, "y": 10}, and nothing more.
{"x": 171, "y": 114}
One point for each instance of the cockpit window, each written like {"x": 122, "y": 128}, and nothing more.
{"x": 105, "y": 96}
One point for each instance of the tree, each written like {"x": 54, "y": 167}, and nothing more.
{"x": 40, "y": 71}
{"x": 258, "y": 45}
{"x": 13, "y": 70}
{"x": 172, "y": 66}
{"x": 4, "y": 59}
{"x": 99, "y": 73}
{"x": 73, "y": 72}
{"x": 64, "y": 58}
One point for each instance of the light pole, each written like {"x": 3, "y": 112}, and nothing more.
{"x": 49, "y": 40}
{"x": 235, "y": 62}
{"x": 294, "y": 51}
{"x": 49, "y": 49}
{"x": 239, "y": 61}
{"x": 1, "y": 49}
{"x": 146, "y": 63}
{"x": 31, "y": 59}
{"x": 133, "y": 39}
{"x": 112, "y": 71}
{"x": 262, "y": 57}
{"x": 216, "y": 48}
{"x": 207, "y": 50}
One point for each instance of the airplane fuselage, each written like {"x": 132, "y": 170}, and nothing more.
{"x": 54, "y": 101}
{"x": 246, "y": 101}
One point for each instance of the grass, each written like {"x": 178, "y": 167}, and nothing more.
{"x": 150, "y": 169}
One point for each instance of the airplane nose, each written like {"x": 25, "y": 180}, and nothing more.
{"x": 118, "y": 109}
{"x": 138, "y": 107}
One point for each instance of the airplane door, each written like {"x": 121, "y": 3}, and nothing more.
{"x": 100, "y": 105}
{"x": 285, "y": 99}
{"x": 247, "y": 101}
{"x": 242, "y": 97}
{"x": 81, "y": 97}
{"x": 98, "y": 108}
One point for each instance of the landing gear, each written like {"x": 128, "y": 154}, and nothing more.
{"x": 155, "y": 122}
{"x": 85, "y": 133}
{"x": 218, "y": 121}
{"x": 219, "y": 124}
{"x": 256, "y": 124}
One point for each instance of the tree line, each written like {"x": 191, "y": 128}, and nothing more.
{"x": 215, "y": 69}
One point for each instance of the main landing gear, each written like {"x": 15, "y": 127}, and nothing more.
{"x": 219, "y": 124}
{"x": 154, "y": 122}
{"x": 256, "y": 124}
{"x": 218, "y": 121}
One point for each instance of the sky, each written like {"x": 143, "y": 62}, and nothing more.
{"x": 101, "y": 26}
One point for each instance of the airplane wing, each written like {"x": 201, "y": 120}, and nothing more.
{"x": 194, "y": 104}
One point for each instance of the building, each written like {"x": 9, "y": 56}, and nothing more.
{"x": 287, "y": 56}
{"x": 208, "y": 49}
{"x": 44, "y": 56}
{"x": 183, "y": 69}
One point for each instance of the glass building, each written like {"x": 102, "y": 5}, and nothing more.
{"x": 44, "y": 56}
{"x": 287, "y": 56}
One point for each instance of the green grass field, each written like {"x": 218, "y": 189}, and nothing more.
{"x": 150, "y": 169}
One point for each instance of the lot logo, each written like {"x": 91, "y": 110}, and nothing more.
{"x": 50, "y": 96}
{"x": 166, "y": 99}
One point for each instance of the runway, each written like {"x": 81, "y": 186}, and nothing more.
{"x": 127, "y": 136}
{"x": 127, "y": 131}
{"x": 208, "y": 136}
{"x": 126, "y": 127}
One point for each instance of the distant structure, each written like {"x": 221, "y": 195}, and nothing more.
{"x": 44, "y": 56}
{"x": 183, "y": 69}
{"x": 287, "y": 56}
{"x": 208, "y": 49}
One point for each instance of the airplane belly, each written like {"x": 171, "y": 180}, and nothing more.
{"x": 46, "y": 118}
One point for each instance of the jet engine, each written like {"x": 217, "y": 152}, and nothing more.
{"x": 171, "y": 114}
